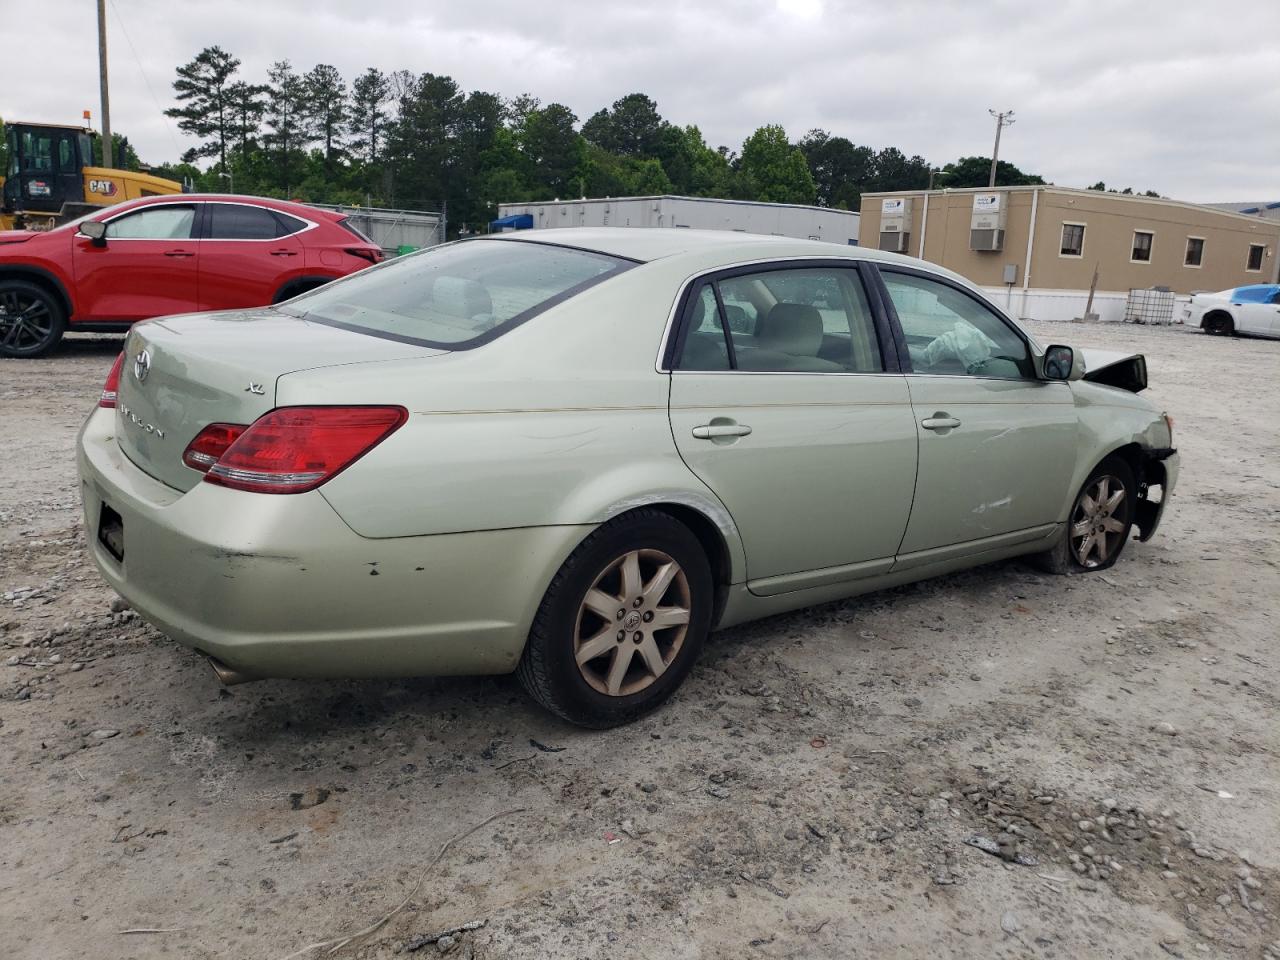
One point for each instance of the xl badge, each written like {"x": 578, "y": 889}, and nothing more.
{"x": 255, "y": 388}
{"x": 142, "y": 365}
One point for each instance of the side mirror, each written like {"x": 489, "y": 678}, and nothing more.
{"x": 96, "y": 231}
{"x": 1061, "y": 363}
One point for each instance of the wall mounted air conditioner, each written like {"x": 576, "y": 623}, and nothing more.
{"x": 895, "y": 224}
{"x": 987, "y": 223}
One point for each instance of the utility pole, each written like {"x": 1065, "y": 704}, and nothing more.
{"x": 107, "y": 159}
{"x": 1003, "y": 120}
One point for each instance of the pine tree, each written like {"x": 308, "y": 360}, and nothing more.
{"x": 205, "y": 108}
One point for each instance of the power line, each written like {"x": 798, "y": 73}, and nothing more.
{"x": 177, "y": 147}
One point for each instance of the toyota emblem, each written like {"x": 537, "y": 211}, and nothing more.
{"x": 142, "y": 365}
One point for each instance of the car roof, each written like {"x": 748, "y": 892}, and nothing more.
{"x": 647, "y": 244}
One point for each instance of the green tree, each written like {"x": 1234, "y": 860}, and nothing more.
{"x": 553, "y": 148}
{"x": 367, "y": 119}
{"x": 287, "y": 123}
{"x": 248, "y": 106}
{"x": 632, "y": 127}
{"x": 4, "y": 150}
{"x": 774, "y": 170}
{"x": 976, "y": 172}
{"x": 841, "y": 171}
{"x": 325, "y": 94}
{"x": 122, "y": 153}
{"x": 894, "y": 170}
{"x": 204, "y": 109}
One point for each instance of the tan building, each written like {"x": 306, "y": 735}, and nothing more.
{"x": 1036, "y": 248}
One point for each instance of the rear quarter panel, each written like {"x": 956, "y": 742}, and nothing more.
{"x": 561, "y": 421}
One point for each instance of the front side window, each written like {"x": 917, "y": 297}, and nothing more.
{"x": 1141, "y": 252}
{"x": 1254, "y": 263}
{"x": 458, "y": 295}
{"x": 951, "y": 333}
{"x": 234, "y": 221}
{"x": 1195, "y": 252}
{"x": 1072, "y": 240}
{"x": 804, "y": 320}
{"x": 168, "y": 222}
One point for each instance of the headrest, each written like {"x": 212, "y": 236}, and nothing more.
{"x": 793, "y": 328}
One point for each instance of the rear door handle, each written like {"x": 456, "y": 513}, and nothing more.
{"x": 939, "y": 421}
{"x": 179, "y": 253}
{"x": 284, "y": 253}
{"x": 712, "y": 431}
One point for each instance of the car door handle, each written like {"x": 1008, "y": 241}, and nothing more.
{"x": 284, "y": 253}
{"x": 712, "y": 431}
{"x": 179, "y": 253}
{"x": 939, "y": 421}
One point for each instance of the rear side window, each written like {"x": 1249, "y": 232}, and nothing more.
{"x": 459, "y": 295}
{"x": 233, "y": 221}
{"x": 805, "y": 320}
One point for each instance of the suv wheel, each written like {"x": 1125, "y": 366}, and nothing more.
{"x": 31, "y": 319}
{"x": 622, "y": 622}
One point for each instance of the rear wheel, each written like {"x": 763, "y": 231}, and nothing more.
{"x": 1219, "y": 325}
{"x": 31, "y": 319}
{"x": 1099, "y": 523}
{"x": 622, "y": 622}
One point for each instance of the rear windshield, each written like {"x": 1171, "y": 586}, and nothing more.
{"x": 459, "y": 295}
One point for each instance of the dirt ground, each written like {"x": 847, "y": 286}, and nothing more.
{"x": 814, "y": 790}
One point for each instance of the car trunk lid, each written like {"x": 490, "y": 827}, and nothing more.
{"x": 181, "y": 374}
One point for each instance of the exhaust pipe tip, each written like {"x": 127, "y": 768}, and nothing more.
{"x": 229, "y": 676}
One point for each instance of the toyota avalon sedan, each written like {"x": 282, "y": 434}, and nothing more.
{"x": 571, "y": 454}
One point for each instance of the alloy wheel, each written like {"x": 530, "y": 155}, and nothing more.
{"x": 1099, "y": 522}
{"x": 632, "y": 622}
{"x": 26, "y": 322}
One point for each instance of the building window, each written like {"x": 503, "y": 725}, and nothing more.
{"x": 1195, "y": 252}
{"x": 1254, "y": 264}
{"x": 1141, "y": 252}
{"x": 1072, "y": 240}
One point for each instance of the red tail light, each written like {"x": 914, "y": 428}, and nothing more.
{"x": 210, "y": 444}
{"x": 294, "y": 449}
{"x": 365, "y": 253}
{"x": 111, "y": 389}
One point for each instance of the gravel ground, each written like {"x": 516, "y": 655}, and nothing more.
{"x": 994, "y": 764}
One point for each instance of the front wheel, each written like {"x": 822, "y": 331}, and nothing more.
{"x": 1099, "y": 523}
{"x": 622, "y": 622}
{"x": 31, "y": 319}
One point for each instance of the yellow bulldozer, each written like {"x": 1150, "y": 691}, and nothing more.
{"x": 51, "y": 178}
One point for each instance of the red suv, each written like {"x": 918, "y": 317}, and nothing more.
{"x": 162, "y": 255}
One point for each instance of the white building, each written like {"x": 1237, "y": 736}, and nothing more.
{"x": 778, "y": 219}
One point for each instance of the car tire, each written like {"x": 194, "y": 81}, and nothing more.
{"x": 32, "y": 320}
{"x": 1112, "y": 524}
{"x": 1219, "y": 325}
{"x": 654, "y": 569}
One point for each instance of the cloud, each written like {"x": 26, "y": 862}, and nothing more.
{"x": 1173, "y": 97}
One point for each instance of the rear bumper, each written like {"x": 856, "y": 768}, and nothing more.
{"x": 280, "y": 586}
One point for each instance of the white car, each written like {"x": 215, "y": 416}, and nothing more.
{"x": 1254, "y": 310}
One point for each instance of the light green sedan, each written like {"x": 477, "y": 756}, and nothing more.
{"x": 571, "y": 454}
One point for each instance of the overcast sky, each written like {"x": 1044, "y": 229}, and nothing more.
{"x": 1176, "y": 96}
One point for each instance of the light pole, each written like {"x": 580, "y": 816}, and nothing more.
{"x": 230, "y": 178}
{"x": 1003, "y": 120}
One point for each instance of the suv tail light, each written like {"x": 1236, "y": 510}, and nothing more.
{"x": 365, "y": 253}
{"x": 111, "y": 389}
{"x": 295, "y": 449}
{"x": 210, "y": 444}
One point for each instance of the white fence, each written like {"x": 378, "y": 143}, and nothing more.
{"x": 1067, "y": 305}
